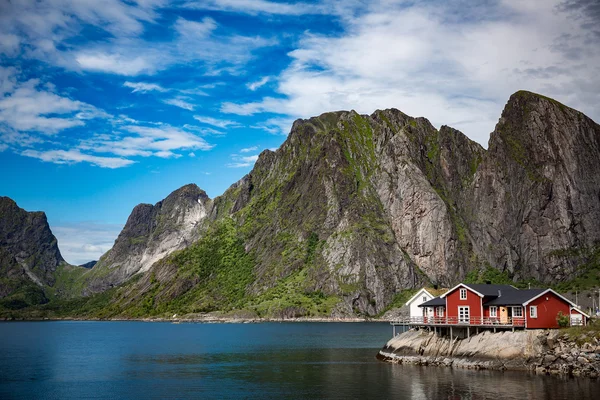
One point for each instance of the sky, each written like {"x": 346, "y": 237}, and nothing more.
{"x": 106, "y": 104}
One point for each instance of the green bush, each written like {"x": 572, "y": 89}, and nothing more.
{"x": 562, "y": 319}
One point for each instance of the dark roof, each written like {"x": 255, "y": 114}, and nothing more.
{"x": 436, "y": 301}
{"x": 489, "y": 289}
{"x": 514, "y": 297}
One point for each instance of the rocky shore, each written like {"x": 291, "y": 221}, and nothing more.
{"x": 540, "y": 351}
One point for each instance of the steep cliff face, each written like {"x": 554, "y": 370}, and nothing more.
{"x": 151, "y": 233}
{"x": 536, "y": 195}
{"x": 351, "y": 209}
{"x": 29, "y": 253}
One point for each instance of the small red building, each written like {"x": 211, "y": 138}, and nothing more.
{"x": 483, "y": 305}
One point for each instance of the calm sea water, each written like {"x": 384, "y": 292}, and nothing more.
{"x": 136, "y": 360}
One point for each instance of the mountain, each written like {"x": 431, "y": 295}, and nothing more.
{"x": 151, "y": 233}
{"x": 354, "y": 210}
{"x": 29, "y": 255}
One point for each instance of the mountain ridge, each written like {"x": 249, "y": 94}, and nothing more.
{"x": 354, "y": 209}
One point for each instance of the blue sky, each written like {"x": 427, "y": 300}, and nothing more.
{"x": 106, "y": 104}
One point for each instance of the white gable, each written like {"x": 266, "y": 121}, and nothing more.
{"x": 421, "y": 297}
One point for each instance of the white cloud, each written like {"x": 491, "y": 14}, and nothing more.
{"x": 144, "y": 87}
{"x": 249, "y": 149}
{"x": 242, "y": 161}
{"x": 261, "y": 82}
{"x": 85, "y": 241}
{"x": 31, "y": 108}
{"x": 180, "y": 102}
{"x": 426, "y": 60}
{"x": 257, "y": 7}
{"x": 3, "y": 147}
{"x": 114, "y": 63}
{"x": 75, "y": 156}
{"x": 145, "y": 141}
{"x": 219, "y": 123}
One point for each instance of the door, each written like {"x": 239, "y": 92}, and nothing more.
{"x": 503, "y": 315}
{"x": 463, "y": 314}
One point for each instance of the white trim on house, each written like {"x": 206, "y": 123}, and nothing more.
{"x": 546, "y": 291}
{"x": 417, "y": 295}
{"x": 519, "y": 308}
{"x": 533, "y": 312}
{"x": 579, "y": 311}
{"x": 463, "y": 285}
{"x": 461, "y": 292}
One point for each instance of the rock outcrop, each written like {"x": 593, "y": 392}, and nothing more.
{"x": 151, "y": 233}
{"x": 535, "y": 198}
{"x": 29, "y": 253}
{"x": 542, "y": 351}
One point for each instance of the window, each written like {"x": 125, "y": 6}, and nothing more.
{"x": 424, "y": 299}
{"x": 440, "y": 311}
{"x": 493, "y": 311}
{"x": 517, "y": 312}
{"x": 463, "y": 294}
{"x": 533, "y": 311}
{"x": 463, "y": 315}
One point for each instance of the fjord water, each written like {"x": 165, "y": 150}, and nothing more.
{"x": 137, "y": 360}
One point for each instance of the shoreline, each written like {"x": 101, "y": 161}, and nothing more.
{"x": 545, "y": 352}
{"x": 205, "y": 319}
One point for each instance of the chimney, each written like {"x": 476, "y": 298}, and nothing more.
{"x": 499, "y": 293}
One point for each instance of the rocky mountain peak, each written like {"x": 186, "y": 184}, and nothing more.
{"x": 28, "y": 250}
{"x": 151, "y": 233}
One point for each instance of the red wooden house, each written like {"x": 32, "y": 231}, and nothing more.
{"x": 482, "y": 305}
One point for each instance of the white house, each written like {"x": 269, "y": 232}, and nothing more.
{"x": 421, "y": 297}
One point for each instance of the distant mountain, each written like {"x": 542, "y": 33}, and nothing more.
{"x": 89, "y": 264}
{"x": 353, "y": 209}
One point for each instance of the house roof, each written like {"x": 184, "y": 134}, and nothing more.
{"x": 580, "y": 312}
{"x": 435, "y": 302}
{"x": 482, "y": 289}
{"x": 514, "y": 297}
{"x": 547, "y": 291}
{"x": 420, "y": 292}
{"x": 430, "y": 291}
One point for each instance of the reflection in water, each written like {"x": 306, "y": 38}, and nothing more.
{"x": 302, "y": 360}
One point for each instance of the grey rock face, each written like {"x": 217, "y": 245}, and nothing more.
{"x": 28, "y": 249}
{"x": 536, "y": 195}
{"x": 150, "y": 234}
{"x": 370, "y": 205}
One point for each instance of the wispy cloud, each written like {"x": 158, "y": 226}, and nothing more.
{"x": 181, "y": 102}
{"x": 242, "y": 161}
{"x": 258, "y": 7}
{"x": 30, "y": 107}
{"x": 257, "y": 84}
{"x": 75, "y": 156}
{"x": 144, "y": 87}
{"x": 249, "y": 149}
{"x": 145, "y": 141}
{"x": 219, "y": 123}
{"x": 85, "y": 241}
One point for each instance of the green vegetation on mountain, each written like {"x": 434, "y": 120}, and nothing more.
{"x": 348, "y": 217}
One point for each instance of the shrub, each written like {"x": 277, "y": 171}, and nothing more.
{"x": 562, "y": 319}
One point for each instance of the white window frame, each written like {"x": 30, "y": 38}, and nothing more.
{"x": 533, "y": 312}
{"x": 463, "y": 294}
{"x": 440, "y": 311}
{"x": 493, "y": 312}
{"x": 468, "y": 313}
{"x": 520, "y": 310}
{"x": 424, "y": 299}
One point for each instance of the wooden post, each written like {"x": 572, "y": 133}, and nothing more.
{"x": 450, "y": 333}
{"x": 494, "y": 329}
{"x": 468, "y": 332}
{"x": 477, "y": 330}
{"x": 394, "y": 326}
